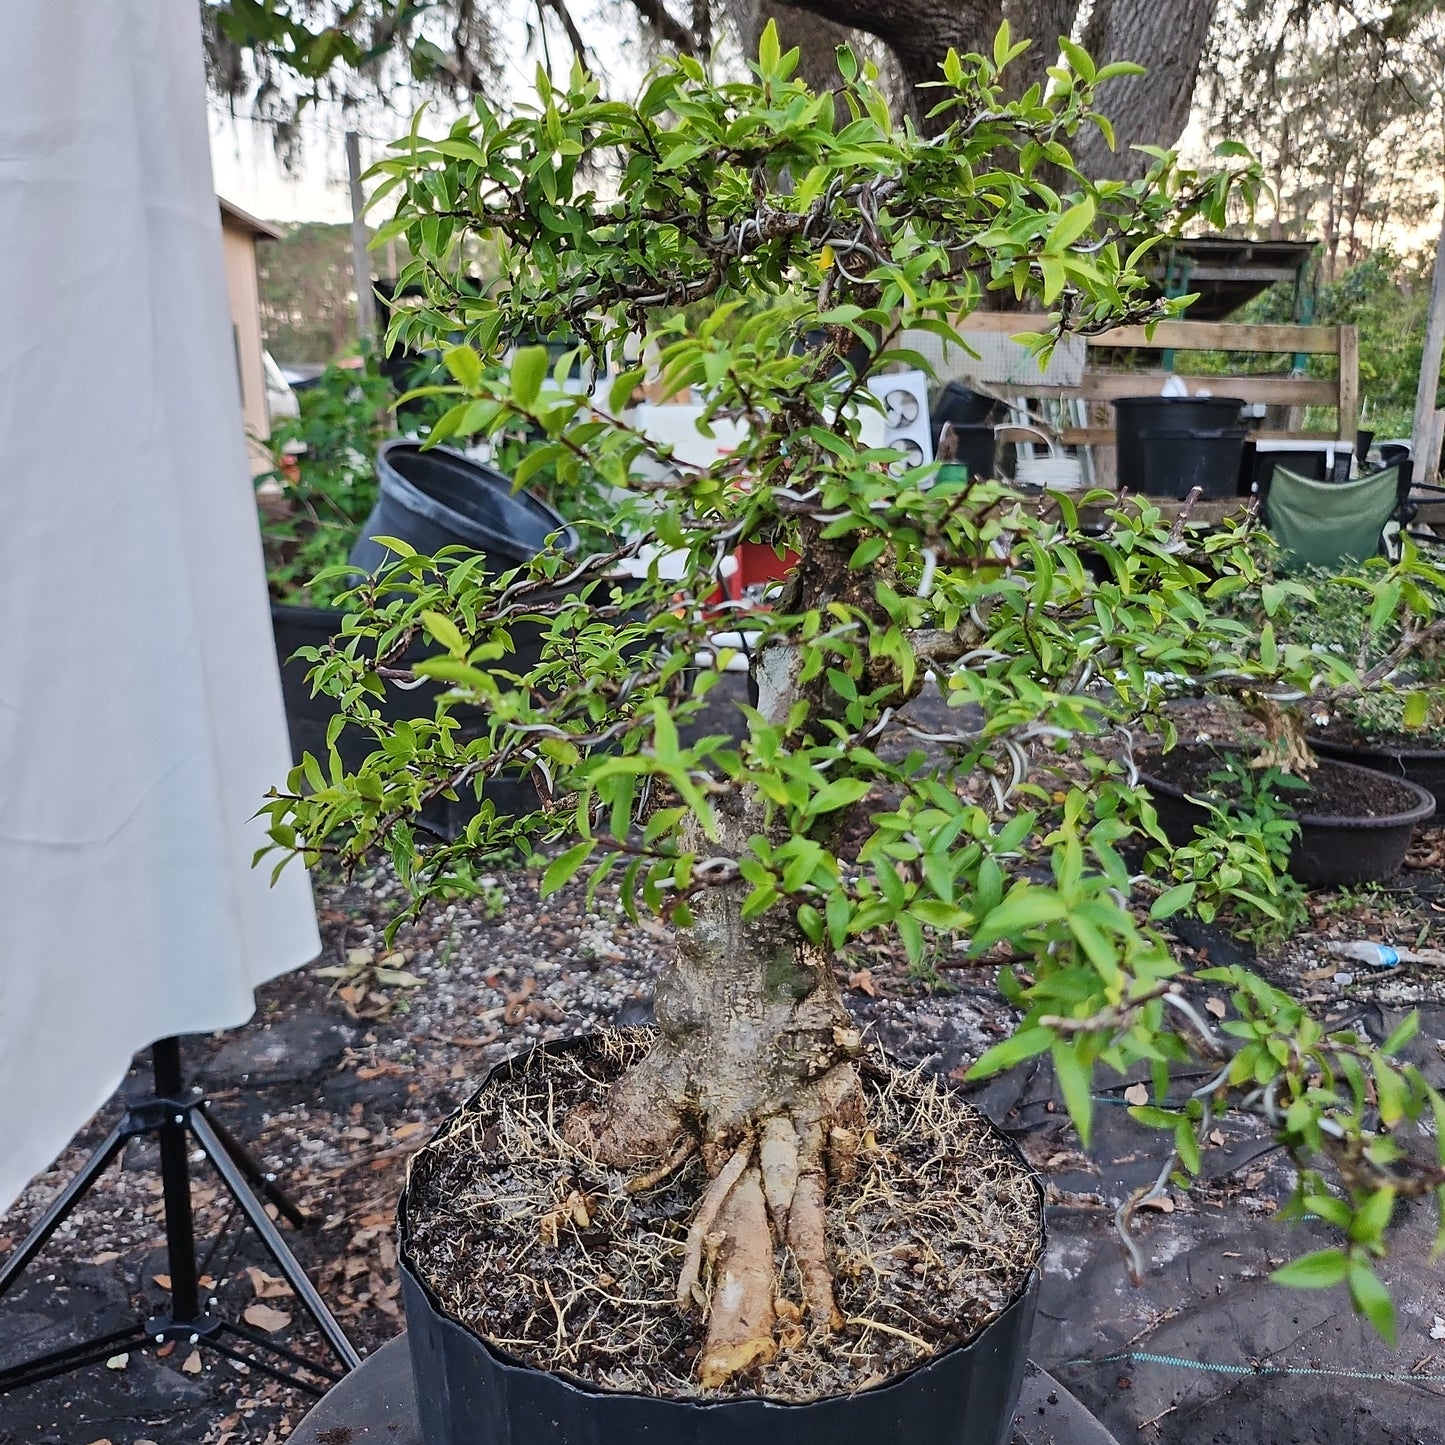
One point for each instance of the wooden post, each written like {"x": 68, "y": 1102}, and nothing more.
{"x": 360, "y": 257}
{"x": 1427, "y": 456}
{"x": 1349, "y": 384}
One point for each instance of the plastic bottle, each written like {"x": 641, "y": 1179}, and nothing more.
{"x": 1381, "y": 955}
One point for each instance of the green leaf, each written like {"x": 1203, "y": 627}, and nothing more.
{"x": 1074, "y": 1077}
{"x": 1320, "y": 1270}
{"x": 1417, "y": 709}
{"x": 529, "y": 369}
{"x": 912, "y": 936}
{"x": 1002, "y": 44}
{"x": 1069, "y": 227}
{"x": 562, "y": 867}
{"x": 465, "y": 365}
{"x": 1408, "y": 1027}
{"x": 1168, "y": 903}
{"x": 837, "y": 794}
{"x": 1373, "y": 1301}
{"x": 1373, "y": 1216}
{"x": 769, "y": 49}
{"x": 1023, "y": 909}
{"x": 1331, "y": 1210}
{"x": 1023, "y": 1045}
{"x": 1080, "y": 59}
{"x": 446, "y": 632}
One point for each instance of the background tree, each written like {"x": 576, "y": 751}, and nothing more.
{"x": 308, "y": 293}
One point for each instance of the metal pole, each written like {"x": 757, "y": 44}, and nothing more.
{"x": 360, "y": 257}
{"x": 1427, "y": 457}
{"x": 176, "y": 1183}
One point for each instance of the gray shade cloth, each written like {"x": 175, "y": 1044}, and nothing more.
{"x": 140, "y": 703}
{"x": 1328, "y": 524}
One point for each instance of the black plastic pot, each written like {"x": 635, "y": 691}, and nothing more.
{"x": 1168, "y": 445}
{"x": 437, "y": 498}
{"x": 976, "y": 450}
{"x": 961, "y": 405}
{"x": 307, "y": 716}
{"x": 1425, "y": 767}
{"x": 470, "y": 1393}
{"x": 1329, "y": 852}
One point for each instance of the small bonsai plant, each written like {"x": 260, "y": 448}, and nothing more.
{"x": 1388, "y": 626}
{"x": 754, "y": 247}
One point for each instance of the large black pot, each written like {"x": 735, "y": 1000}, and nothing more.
{"x": 436, "y": 497}
{"x": 1329, "y": 852}
{"x": 1425, "y": 767}
{"x": 470, "y": 1393}
{"x": 1168, "y": 445}
{"x": 308, "y": 716}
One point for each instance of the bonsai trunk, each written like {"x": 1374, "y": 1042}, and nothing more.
{"x": 754, "y": 1068}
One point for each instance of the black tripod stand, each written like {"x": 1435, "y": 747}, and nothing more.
{"x": 176, "y": 1115}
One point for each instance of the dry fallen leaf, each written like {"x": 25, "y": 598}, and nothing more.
{"x": 267, "y": 1286}
{"x": 106, "y": 1256}
{"x": 266, "y": 1318}
{"x": 1437, "y": 1330}
{"x": 359, "y": 957}
{"x": 164, "y": 1280}
{"x": 192, "y": 1363}
{"x": 117, "y": 1362}
{"x": 1216, "y": 1007}
{"x": 406, "y": 1131}
{"x": 1137, "y": 1094}
{"x": 863, "y": 982}
{"x": 1215, "y": 1137}
{"x": 1164, "y": 1204}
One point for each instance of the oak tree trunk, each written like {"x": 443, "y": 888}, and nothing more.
{"x": 1167, "y": 36}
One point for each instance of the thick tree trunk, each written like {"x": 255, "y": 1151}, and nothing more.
{"x": 1167, "y": 37}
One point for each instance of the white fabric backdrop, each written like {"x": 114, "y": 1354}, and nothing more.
{"x": 140, "y": 708}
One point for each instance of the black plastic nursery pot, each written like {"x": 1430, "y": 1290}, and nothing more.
{"x": 308, "y": 715}
{"x": 1425, "y": 767}
{"x": 471, "y": 1393}
{"x": 1169, "y": 445}
{"x": 1330, "y": 852}
{"x": 436, "y": 497}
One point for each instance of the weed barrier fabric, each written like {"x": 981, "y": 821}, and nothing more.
{"x": 471, "y": 1393}
{"x": 140, "y": 708}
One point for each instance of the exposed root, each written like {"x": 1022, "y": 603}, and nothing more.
{"x": 679, "y": 1156}
{"x": 740, "y": 1326}
{"x": 807, "y": 1227}
{"x": 778, "y": 1158}
{"x": 688, "y": 1280}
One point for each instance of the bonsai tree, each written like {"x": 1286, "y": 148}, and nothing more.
{"x": 734, "y": 239}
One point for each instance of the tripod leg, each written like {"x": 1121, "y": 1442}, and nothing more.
{"x": 176, "y": 1184}
{"x": 53, "y": 1217}
{"x": 263, "y": 1182}
{"x": 61, "y": 1362}
{"x": 276, "y": 1246}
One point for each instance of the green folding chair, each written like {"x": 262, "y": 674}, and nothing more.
{"x": 1331, "y": 524}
